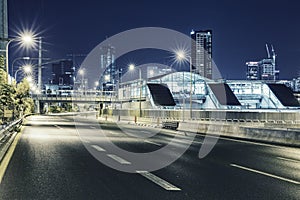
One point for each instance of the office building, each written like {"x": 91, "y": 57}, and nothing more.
{"x": 108, "y": 79}
{"x": 253, "y": 72}
{"x": 201, "y": 53}
{"x": 264, "y": 69}
{"x": 63, "y": 73}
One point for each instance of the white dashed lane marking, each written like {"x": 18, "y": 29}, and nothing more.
{"x": 98, "y": 148}
{"x": 119, "y": 159}
{"x": 159, "y": 181}
{"x": 150, "y": 142}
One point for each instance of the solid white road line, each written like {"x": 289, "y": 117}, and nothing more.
{"x": 288, "y": 159}
{"x": 93, "y": 127}
{"x": 119, "y": 159}
{"x": 265, "y": 174}
{"x": 150, "y": 142}
{"x": 157, "y": 180}
{"x": 98, "y": 148}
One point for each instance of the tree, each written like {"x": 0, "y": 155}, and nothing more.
{"x": 23, "y": 103}
{"x": 6, "y": 94}
{"x": 2, "y": 62}
{"x": 14, "y": 98}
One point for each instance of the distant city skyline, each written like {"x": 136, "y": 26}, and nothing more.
{"x": 240, "y": 30}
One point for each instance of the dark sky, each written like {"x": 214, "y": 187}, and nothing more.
{"x": 240, "y": 28}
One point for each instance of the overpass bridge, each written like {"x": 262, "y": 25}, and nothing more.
{"x": 74, "y": 99}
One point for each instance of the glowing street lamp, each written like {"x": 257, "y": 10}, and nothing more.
{"x": 131, "y": 68}
{"x": 27, "y": 69}
{"x": 25, "y": 39}
{"x": 107, "y": 77}
{"x": 81, "y": 72}
{"x": 20, "y": 58}
{"x": 181, "y": 56}
{"x": 29, "y": 79}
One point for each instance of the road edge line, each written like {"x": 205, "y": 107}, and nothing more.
{"x": 265, "y": 174}
{"x": 9, "y": 153}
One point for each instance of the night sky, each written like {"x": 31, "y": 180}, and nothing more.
{"x": 240, "y": 28}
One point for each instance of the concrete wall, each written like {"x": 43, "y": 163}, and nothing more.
{"x": 274, "y": 127}
{"x": 288, "y": 137}
{"x": 217, "y": 115}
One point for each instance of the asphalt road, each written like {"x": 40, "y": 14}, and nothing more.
{"x": 58, "y": 159}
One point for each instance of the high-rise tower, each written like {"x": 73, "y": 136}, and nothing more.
{"x": 202, "y": 52}
{"x": 107, "y": 63}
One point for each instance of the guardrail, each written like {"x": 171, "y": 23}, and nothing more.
{"x": 5, "y": 137}
{"x": 10, "y": 127}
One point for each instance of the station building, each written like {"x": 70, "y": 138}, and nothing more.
{"x": 184, "y": 90}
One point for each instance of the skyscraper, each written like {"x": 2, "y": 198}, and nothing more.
{"x": 253, "y": 70}
{"x": 202, "y": 52}
{"x": 264, "y": 69}
{"x": 107, "y": 63}
{"x": 63, "y": 73}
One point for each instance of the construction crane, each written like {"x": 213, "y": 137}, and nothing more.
{"x": 273, "y": 54}
{"x": 268, "y": 52}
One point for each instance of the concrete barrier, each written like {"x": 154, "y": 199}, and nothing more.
{"x": 280, "y": 136}
{"x": 264, "y": 125}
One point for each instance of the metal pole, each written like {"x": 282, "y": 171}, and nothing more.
{"x": 12, "y": 65}
{"x": 7, "y": 70}
{"x": 191, "y": 87}
{"x": 16, "y": 74}
{"x": 183, "y": 103}
{"x": 40, "y": 65}
{"x": 141, "y": 85}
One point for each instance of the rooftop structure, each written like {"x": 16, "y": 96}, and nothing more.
{"x": 209, "y": 94}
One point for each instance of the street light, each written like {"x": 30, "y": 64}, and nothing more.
{"x": 131, "y": 68}
{"x": 106, "y": 77}
{"x": 27, "y": 69}
{"x": 81, "y": 73}
{"x": 182, "y": 56}
{"x": 20, "y": 58}
{"x": 29, "y": 79}
{"x": 24, "y": 39}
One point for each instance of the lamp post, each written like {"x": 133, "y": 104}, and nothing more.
{"x": 27, "y": 69}
{"x": 25, "y": 39}
{"x": 20, "y": 58}
{"x": 40, "y": 65}
{"x": 81, "y": 72}
{"x": 181, "y": 56}
{"x": 132, "y": 67}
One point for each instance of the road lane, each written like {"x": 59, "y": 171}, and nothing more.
{"x": 53, "y": 163}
